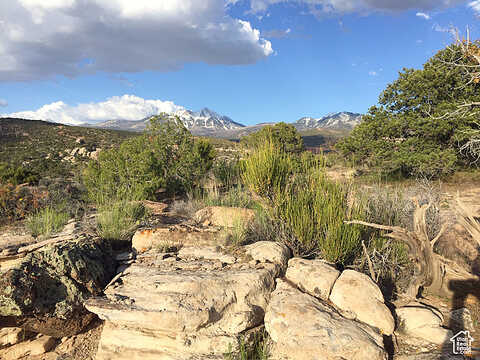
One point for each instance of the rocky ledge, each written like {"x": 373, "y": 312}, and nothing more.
{"x": 43, "y": 284}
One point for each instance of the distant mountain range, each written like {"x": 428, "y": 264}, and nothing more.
{"x": 204, "y": 122}
{"x": 208, "y": 123}
{"x": 337, "y": 121}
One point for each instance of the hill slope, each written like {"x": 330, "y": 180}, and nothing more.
{"x": 43, "y": 144}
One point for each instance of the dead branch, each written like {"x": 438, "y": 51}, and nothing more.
{"x": 428, "y": 269}
{"x": 369, "y": 262}
{"x": 468, "y": 220}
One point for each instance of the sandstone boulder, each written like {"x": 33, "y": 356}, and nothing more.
{"x": 269, "y": 252}
{"x": 45, "y": 291}
{"x": 418, "y": 321}
{"x": 174, "y": 308}
{"x": 224, "y": 216}
{"x": 360, "y": 298}
{"x": 174, "y": 236}
{"x": 315, "y": 277}
{"x": 304, "y": 328}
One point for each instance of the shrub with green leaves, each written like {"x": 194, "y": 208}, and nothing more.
{"x": 16, "y": 175}
{"x": 227, "y": 172}
{"x": 165, "y": 156}
{"x": 47, "y": 221}
{"x": 284, "y": 136}
{"x": 119, "y": 220}
{"x": 418, "y": 130}
{"x": 267, "y": 170}
{"x": 313, "y": 209}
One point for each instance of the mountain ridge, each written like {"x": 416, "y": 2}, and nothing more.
{"x": 207, "y": 122}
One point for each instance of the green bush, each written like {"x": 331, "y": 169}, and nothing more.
{"x": 16, "y": 175}
{"x": 47, "y": 221}
{"x": 284, "y": 136}
{"x": 422, "y": 122}
{"x": 255, "y": 348}
{"x": 227, "y": 173}
{"x": 312, "y": 208}
{"x": 166, "y": 156}
{"x": 118, "y": 220}
{"x": 267, "y": 170}
{"x": 234, "y": 197}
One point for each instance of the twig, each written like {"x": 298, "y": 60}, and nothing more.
{"x": 370, "y": 265}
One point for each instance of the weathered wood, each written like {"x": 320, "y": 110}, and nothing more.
{"x": 429, "y": 272}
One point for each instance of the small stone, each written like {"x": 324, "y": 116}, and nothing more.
{"x": 124, "y": 256}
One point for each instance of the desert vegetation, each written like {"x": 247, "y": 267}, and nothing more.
{"x": 423, "y": 131}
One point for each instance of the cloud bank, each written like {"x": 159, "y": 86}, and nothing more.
{"x": 126, "y": 107}
{"x": 43, "y": 38}
{"x": 349, "y": 6}
{"x": 475, "y": 5}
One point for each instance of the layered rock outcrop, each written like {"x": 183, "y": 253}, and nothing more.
{"x": 43, "y": 290}
{"x": 184, "y": 307}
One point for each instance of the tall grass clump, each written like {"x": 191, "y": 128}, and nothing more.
{"x": 315, "y": 209}
{"x": 227, "y": 173}
{"x": 47, "y": 221}
{"x": 255, "y": 348}
{"x": 267, "y": 170}
{"x": 312, "y": 209}
{"x": 118, "y": 220}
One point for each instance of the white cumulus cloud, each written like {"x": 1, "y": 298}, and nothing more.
{"x": 349, "y": 6}
{"x": 3, "y": 102}
{"x": 126, "y": 107}
{"x": 475, "y": 5}
{"x": 423, "y": 15}
{"x": 43, "y": 38}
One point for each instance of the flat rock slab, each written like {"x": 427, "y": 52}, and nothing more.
{"x": 174, "y": 236}
{"x": 173, "y": 308}
{"x": 305, "y": 328}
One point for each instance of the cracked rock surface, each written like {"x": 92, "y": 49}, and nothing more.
{"x": 189, "y": 307}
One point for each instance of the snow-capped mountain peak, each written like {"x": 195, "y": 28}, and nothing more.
{"x": 338, "y": 120}
{"x": 203, "y": 122}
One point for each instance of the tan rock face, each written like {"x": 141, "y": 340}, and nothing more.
{"x": 158, "y": 238}
{"x": 268, "y": 251}
{"x": 207, "y": 252}
{"x": 174, "y": 308}
{"x": 11, "y": 336}
{"x": 28, "y": 349}
{"x": 419, "y": 321}
{"x": 304, "y": 328}
{"x": 314, "y": 277}
{"x": 224, "y": 216}
{"x": 360, "y": 298}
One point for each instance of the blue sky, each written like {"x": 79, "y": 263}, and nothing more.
{"x": 308, "y": 57}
